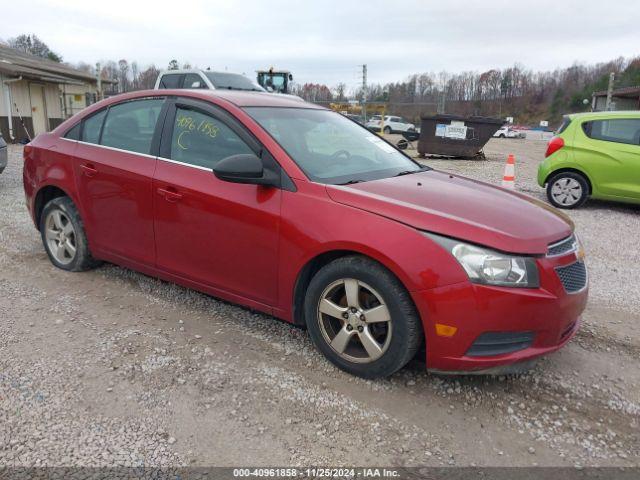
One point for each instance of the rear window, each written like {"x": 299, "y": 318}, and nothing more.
{"x": 130, "y": 126}
{"x": 566, "y": 121}
{"x": 625, "y": 130}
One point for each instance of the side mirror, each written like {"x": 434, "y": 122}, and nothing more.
{"x": 245, "y": 168}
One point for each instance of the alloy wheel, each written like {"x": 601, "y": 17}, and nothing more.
{"x": 354, "y": 320}
{"x": 61, "y": 237}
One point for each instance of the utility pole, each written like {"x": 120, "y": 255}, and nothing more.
{"x": 612, "y": 77}
{"x": 99, "y": 81}
{"x": 364, "y": 92}
{"x": 441, "y": 102}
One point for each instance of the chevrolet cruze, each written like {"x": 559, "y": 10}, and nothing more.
{"x": 296, "y": 211}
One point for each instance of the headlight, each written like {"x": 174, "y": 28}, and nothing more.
{"x": 490, "y": 267}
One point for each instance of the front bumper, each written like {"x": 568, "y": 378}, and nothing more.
{"x": 550, "y": 314}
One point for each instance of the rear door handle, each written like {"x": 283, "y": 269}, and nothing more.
{"x": 169, "y": 194}
{"x": 89, "y": 170}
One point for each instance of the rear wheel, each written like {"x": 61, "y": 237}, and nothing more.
{"x": 387, "y": 130}
{"x": 63, "y": 236}
{"x": 361, "y": 318}
{"x": 567, "y": 190}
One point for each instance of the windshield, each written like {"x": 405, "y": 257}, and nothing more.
{"x": 232, "y": 81}
{"x": 330, "y": 148}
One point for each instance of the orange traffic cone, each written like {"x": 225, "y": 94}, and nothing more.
{"x": 509, "y": 178}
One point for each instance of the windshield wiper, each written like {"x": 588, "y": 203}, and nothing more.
{"x": 351, "y": 182}
{"x": 409, "y": 172}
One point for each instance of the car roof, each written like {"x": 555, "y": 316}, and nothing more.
{"x": 194, "y": 70}
{"x": 238, "y": 98}
{"x": 607, "y": 114}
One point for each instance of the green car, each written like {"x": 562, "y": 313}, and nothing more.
{"x": 593, "y": 154}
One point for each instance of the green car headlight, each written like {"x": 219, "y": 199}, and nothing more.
{"x": 490, "y": 267}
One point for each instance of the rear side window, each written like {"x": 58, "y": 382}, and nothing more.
{"x": 171, "y": 80}
{"x": 91, "y": 127}
{"x": 202, "y": 140}
{"x": 191, "y": 80}
{"x": 614, "y": 130}
{"x": 130, "y": 126}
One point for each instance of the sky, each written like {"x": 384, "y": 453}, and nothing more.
{"x": 327, "y": 41}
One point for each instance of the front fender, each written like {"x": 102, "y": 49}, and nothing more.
{"x": 417, "y": 261}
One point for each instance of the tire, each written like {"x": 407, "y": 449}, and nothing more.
{"x": 387, "y": 130}
{"x": 63, "y": 236}
{"x": 567, "y": 190}
{"x": 397, "y": 339}
{"x": 502, "y": 135}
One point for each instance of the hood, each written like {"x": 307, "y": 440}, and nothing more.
{"x": 461, "y": 208}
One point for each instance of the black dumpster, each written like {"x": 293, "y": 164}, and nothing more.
{"x": 456, "y": 136}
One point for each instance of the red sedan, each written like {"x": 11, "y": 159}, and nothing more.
{"x": 296, "y": 211}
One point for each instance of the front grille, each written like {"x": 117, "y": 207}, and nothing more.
{"x": 567, "y": 245}
{"x": 499, "y": 343}
{"x": 573, "y": 277}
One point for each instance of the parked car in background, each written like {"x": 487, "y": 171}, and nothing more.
{"x": 205, "y": 79}
{"x": 509, "y": 132}
{"x": 355, "y": 118}
{"x": 392, "y": 124}
{"x": 593, "y": 155}
{"x": 293, "y": 210}
{"x": 4, "y": 154}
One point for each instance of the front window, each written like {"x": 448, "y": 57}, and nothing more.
{"x": 232, "y": 81}
{"x": 331, "y": 149}
{"x": 202, "y": 140}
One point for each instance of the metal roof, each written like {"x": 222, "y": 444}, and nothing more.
{"x": 607, "y": 114}
{"x": 15, "y": 62}
{"x": 621, "y": 92}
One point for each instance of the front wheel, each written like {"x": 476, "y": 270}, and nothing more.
{"x": 567, "y": 190}
{"x": 361, "y": 317}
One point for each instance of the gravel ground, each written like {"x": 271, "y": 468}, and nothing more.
{"x": 111, "y": 367}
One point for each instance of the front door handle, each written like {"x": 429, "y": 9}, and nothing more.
{"x": 89, "y": 170}
{"x": 170, "y": 195}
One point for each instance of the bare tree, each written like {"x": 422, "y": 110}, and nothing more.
{"x": 123, "y": 75}
{"x": 147, "y": 78}
{"x": 33, "y": 45}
